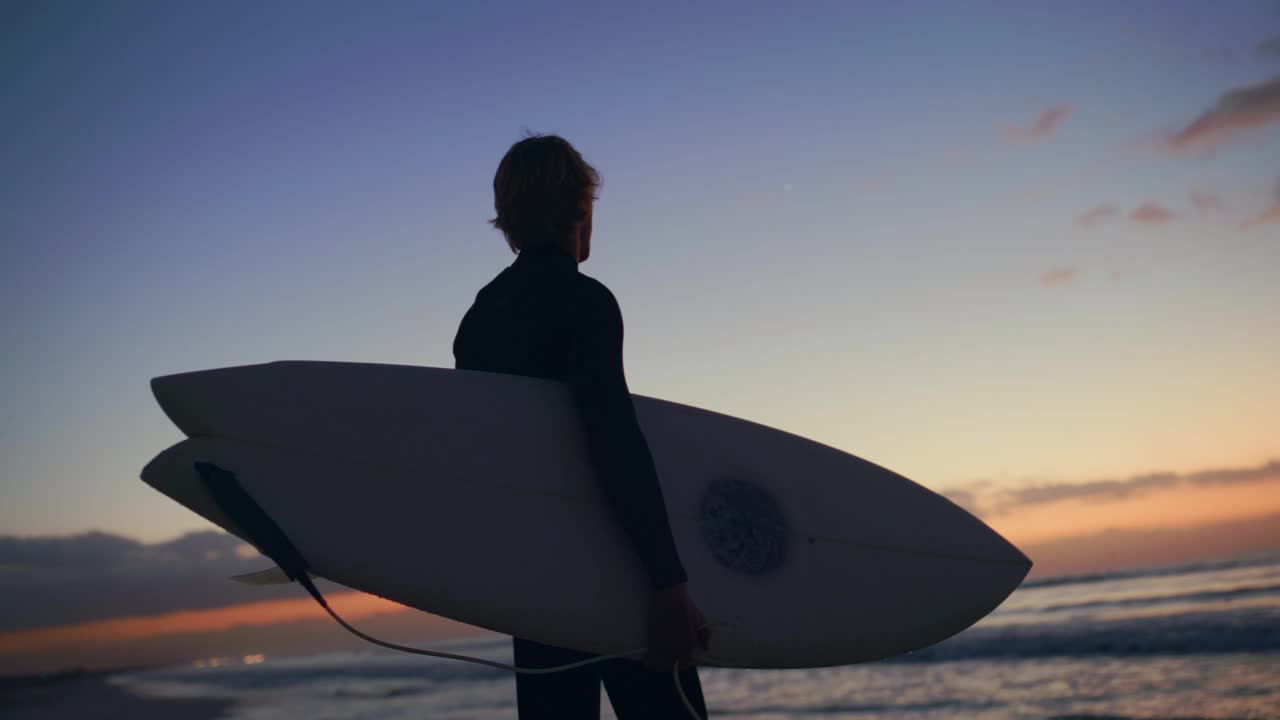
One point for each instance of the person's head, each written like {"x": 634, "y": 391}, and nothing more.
{"x": 543, "y": 194}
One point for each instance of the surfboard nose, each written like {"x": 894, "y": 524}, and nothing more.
{"x": 980, "y": 540}
{"x": 1018, "y": 564}
{"x": 1019, "y": 556}
{"x": 998, "y": 549}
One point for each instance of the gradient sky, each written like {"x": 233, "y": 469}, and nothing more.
{"x": 992, "y": 246}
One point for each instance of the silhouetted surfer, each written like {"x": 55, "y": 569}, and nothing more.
{"x": 541, "y": 317}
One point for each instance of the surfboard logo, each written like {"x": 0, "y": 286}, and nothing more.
{"x": 743, "y": 526}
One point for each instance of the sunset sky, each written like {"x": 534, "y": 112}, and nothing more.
{"x": 1026, "y": 255}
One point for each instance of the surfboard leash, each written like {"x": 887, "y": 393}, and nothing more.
{"x": 271, "y": 541}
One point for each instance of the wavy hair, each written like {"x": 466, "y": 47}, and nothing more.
{"x": 542, "y": 189}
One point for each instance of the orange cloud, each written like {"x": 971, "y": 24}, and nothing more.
{"x": 981, "y": 499}
{"x": 1167, "y": 500}
{"x": 1151, "y": 213}
{"x": 1045, "y": 124}
{"x": 1205, "y": 201}
{"x": 1112, "y": 549}
{"x": 1058, "y": 277}
{"x": 350, "y": 605}
{"x": 1269, "y": 215}
{"x": 1183, "y": 506}
{"x": 1238, "y": 110}
{"x": 283, "y": 627}
{"x": 1097, "y": 215}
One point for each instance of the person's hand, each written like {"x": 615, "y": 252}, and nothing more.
{"x": 672, "y": 629}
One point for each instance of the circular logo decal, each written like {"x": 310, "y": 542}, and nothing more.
{"x": 743, "y": 526}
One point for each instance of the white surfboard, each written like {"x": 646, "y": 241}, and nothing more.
{"x": 469, "y": 495}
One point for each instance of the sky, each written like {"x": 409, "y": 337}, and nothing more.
{"x": 1024, "y": 254}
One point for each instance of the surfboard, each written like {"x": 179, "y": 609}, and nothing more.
{"x": 470, "y": 495}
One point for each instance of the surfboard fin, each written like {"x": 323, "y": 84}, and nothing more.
{"x": 270, "y": 576}
{"x": 262, "y": 531}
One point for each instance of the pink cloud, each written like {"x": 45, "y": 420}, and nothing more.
{"x": 1150, "y": 213}
{"x": 1097, "y": 215}
{"x": 958, "y": 154}
{"x": 1205, "y": 201}
{"x": 1059, "y": 277}
{"x": 1237, "y": 111}
{"x": 1045, "y": 125}
{"x": 1219, "y": 56}
{"x": 1269, "y": 214}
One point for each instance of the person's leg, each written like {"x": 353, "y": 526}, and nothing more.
{"x": 567, "y": 695}
{"x": 638, "y": 693}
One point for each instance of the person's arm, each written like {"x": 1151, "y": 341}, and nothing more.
{"x": 616, "y": 444}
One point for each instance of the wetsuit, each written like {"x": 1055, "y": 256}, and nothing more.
{"x": 540, "y": 317}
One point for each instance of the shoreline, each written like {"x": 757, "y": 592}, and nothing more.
{"x": 89, "y": 694}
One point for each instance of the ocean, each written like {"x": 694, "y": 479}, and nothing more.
{"x": 1192, "y": 641}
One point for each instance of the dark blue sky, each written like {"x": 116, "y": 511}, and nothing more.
{"x": 857, "y": 221}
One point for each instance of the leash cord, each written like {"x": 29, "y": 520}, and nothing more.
{"x": 271, "y": 541}
{"x": 675, "y": 669}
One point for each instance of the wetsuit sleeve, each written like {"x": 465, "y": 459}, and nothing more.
{"x": 616, "y": 444}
